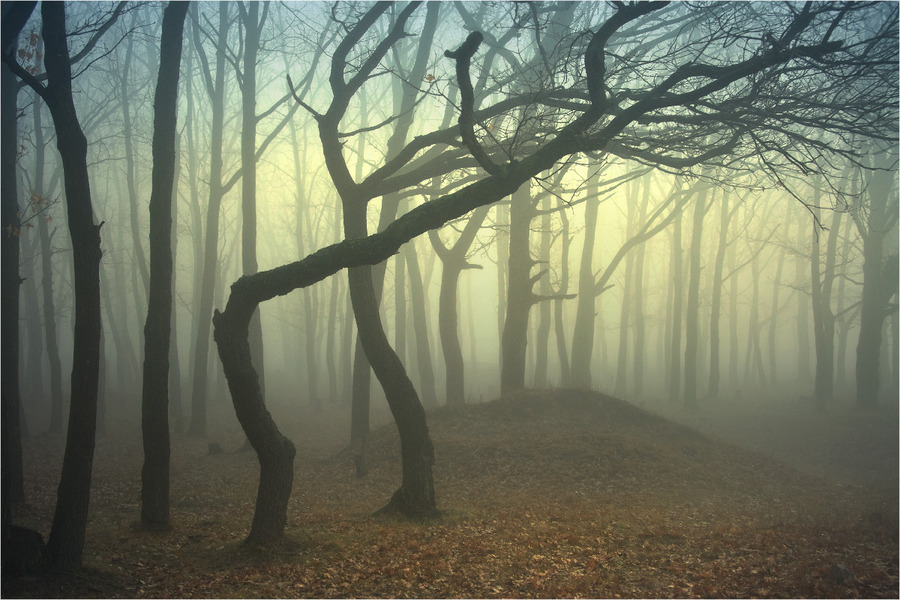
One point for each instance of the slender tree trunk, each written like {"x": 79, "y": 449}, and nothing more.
{"x": 157, "y": 330}
{"x": 754, "y": 360}
{"x": 542, "y": 337}
{"x": 66, "y": 542}
{"x": 733, "y": 319}
{"x": 125, "y": 98}
{"x": 586, "y": 307}
{"x": 453, "y": 262}
{"x": 175, "y": 399}
{"x": 400, "y": 306}
{"x": 420, "y": 321}
{"x": 640, "y": 334}
{"x": 211, "y": 237}
{"x": 845, "y": 319}
{"x": 803, "y": 306}
{"x": 692, "y": 316}
{"x": 331, "y": 331}
{"x": 565, "y": 377}
{"x": 715, "y": 305}
{"x": 501, "y": 218}
{"x": 520, "y": 296}
{"x": 249, "y": 264}
{"x": 874, "y": 294}
{"x": 621, "y": 389}
{"x": 677, "y": 312}
{"x": 773, "y": 320}
{"x": 32, "y": 370}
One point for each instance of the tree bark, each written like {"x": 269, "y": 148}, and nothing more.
{"x": 157, "y": 330}
{"x": 249, "y": 264}
{"x": 13, "y": 478}
{"x": 70, "y": 519}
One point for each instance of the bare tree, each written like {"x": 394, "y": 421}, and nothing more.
{"x": 700, "y": 110}
{"x": 155, "y": 392}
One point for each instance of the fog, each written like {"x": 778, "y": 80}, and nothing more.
{"x": 725, "y": 257}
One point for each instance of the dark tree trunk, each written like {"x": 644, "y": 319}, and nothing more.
{"x": 66, "y": 542}
{"x": 879, "y": 284}
{"x": 390, "y": 204}
{"x": 823, "y": 317}
{"x": 13, "y": 480}
{"x": 252, "y": 30}
{"x": 274, "y": 451}
{"x": 157, "y": 330}
{"x": 520, "y": 296}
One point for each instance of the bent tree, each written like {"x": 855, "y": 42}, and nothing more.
{"x": 698, "y": 101}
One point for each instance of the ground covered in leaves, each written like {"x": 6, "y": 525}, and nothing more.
{"x": 545, "y": 494}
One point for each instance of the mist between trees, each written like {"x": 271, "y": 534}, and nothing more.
{"x": 677, "y": 204}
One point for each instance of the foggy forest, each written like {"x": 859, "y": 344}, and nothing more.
{"x": 450, "y": 299}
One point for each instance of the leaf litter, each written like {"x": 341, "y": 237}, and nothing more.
{"x": 545, "y": 494}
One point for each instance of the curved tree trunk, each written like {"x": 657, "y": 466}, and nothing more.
{"x": 274, "y": 451}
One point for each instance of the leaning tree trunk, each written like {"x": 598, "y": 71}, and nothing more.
{"x": 155, "y": 392}
{"x": 274, "y": 451}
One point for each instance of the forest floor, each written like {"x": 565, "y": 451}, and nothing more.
{"x": 547, "y": 494}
